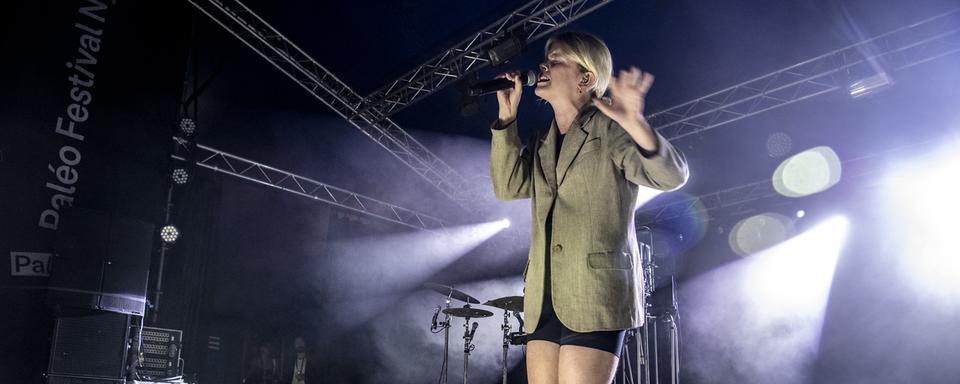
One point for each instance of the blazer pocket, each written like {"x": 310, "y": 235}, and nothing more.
{"x": 609, "y": 260}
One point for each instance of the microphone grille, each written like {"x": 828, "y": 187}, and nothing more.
{"x": 531, "y": 78}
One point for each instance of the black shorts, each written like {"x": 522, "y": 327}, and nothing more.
{"x": 549, "y": 328}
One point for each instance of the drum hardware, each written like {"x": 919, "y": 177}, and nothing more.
{"x": 451, "y": 292}
{"x": 508, "y": 304}
{"x": 518, "y": 338}
{"x": 467, "y": 312}
{"x": 468, "y": 346}
{"x": 435, "y": 327}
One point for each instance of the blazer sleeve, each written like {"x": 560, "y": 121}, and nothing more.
{"x": 510, "y": 166}
{"x": 665, "y": 170}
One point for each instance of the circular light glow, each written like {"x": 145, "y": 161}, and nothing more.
{"x": 801, "y": 213}
{"x": 759, "y": 232}
{"x": 180, "y": 176}
{"x": 505, "y": 223}
{"x": 188, "y": 126}
{"x": 812, "y": 171}
{"x": 779, "y": 144}
{"x": 169, "y": 233}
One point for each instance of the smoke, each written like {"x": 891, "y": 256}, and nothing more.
{"x": 759, "y": 320}
{"x": 366, "y": 271}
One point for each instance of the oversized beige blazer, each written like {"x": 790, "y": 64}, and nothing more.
{"x": 596, "y": 277}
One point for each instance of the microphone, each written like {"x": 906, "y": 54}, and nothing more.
{"x": 433, "y": 323}
{"x": 473, "y": 330}
{"x": 528, "y": 78}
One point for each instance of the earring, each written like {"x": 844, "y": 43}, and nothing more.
{"x": 579, "y": 90}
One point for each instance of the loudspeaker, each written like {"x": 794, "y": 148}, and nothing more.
{"x": 89, "y": 347}
{"x": 101, "y": 262}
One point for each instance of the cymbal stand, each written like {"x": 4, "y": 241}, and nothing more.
{"x": 445, "y": 324}
{"x": 468, "y": 333}
{"x": 506, "y": 343}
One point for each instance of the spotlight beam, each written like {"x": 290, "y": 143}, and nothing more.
{"x": 397, "y": 263}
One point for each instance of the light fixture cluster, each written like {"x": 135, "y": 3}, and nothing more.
{"x": 180, "y": 176}
{"x": 188, "y": 126}
{"x": 169, "y": 234}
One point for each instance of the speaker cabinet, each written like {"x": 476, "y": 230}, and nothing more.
{"x": 89, "y": 347}
{"x": 101, "y": 262}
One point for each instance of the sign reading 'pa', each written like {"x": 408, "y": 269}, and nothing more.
{"x": 29, "y": 264}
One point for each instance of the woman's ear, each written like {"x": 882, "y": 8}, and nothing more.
{"x": 588, "y": 79}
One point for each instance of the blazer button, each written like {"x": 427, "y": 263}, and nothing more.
{"x": 557, "y": 248}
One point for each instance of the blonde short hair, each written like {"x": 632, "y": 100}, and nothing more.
{"x": 589, "y": 52}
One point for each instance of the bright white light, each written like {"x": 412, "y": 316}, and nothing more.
{"x": 504, "y": 223}
{"x": 869, "y": 85}
{"x": 923, "y": 200}
{"x": 801, "y": 213}
{"x": 761, "y": 317}
{"x": 169, "y": 233}
{"x": 808, "y": 172}
{"x": 645, "y": 194}
{"x": 794, "y": 277}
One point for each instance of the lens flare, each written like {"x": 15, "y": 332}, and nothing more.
{"x": 812, "y": 171}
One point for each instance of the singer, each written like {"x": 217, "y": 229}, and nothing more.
{"x": 583, "y": 285}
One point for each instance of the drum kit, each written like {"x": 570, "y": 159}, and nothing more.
{"x": 511, "y": 305}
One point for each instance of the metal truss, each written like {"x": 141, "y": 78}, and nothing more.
{"x": 249, "y": 170}
{"x": 533, "y": 20}
{"x": 904, "y": 47}
{"x": 253, "y": 31}
{"x": 853, "y": 169}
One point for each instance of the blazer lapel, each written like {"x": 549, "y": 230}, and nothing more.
{"x": 573, "y": 143}
{"x": 548, "y": 156}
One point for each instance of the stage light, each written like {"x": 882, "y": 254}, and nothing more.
{"x": 763, "y": 314}
{"x": 169, "y": 234}
{"x": 869, "y": 85}
{"x": 188, "y": 126}
{"x": 509, "y": 46}
{"x": 922, "y": 207}
{"x": 180, "y": 176}
{"x": 794, "y": 277}
{"x": 801, "y": 213}
{"x": 504, "y": 223}
{"x": 812, "y": 171}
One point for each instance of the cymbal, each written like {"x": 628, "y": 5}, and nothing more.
{"x": 453, "y": 292}
{"x": 510, "y": 303}
{"x": 467, "y": 312}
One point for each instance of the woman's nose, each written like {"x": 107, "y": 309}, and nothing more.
{"x": 543, "y": 67}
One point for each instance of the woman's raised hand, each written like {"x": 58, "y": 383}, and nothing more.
{"x": 628, "y": 92}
